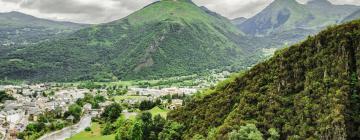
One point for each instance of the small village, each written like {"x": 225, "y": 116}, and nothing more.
{"x": 31, "y": 101}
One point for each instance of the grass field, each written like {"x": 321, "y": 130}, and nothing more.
{"x": 156, "y": 110}
{"x": 94, "y": 134}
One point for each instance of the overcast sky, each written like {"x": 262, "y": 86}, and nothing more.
{"x": 100, "y": 11}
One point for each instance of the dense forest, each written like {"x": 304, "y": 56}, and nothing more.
{"x": 307, "y": 91}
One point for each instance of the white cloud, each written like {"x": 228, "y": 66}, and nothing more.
{"x": 100, "y": 11}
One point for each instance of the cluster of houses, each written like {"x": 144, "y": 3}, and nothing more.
{"x": 30, "y": 102}
{"x": 34, "y": 100}
{"x": 141, "y": 94}
{"x": 162, "y": 92}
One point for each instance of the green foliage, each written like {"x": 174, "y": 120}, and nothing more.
{"x": 75, "y": 111}
{"x": 248, "y": 132}
{"x": 171, "y": 131}
{"x": 47, "y": 122}
{"x": 93, "y": 100}
{"x": 112, "y": 112}
{"x": 274, "y": 135}
{"x": 307, "y": 91}
{"x": 149, "y": 104}
{"x": 144, "y": 127}
{"x": 88, "y": 129}
{"x": 4, "y": 97}
{"x": 137, "y": 131}
{"x": 124, "y": 130}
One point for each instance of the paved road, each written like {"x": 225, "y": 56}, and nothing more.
{"x": 68, "y": 131}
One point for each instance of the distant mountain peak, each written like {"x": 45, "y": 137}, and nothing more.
{"x": 285, "y": 1}
{"x": 319, "y": 2}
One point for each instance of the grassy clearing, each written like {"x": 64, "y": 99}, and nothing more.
{"x": 156, "y": 110}
{"x": 94, "y": 134}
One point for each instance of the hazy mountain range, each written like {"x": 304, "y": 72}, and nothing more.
{"x": 288, "y": 21}
{"x": 166, "y": 38}
{"x": 20, "y": 29}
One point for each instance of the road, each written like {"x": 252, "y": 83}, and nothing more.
{"x": 68, "y": 131}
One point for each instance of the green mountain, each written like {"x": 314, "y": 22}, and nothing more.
{"x": 20, "y": 29}
{"x": 278, "y": 16}
{"x": 284, "y": 15}
{"x": 288, "y": 21}
{"x": 307, "y": 91}
{"x": 353, "y": 16}
{"x": 166, "y": 38}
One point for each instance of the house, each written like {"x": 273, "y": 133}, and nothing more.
{"x": 2, "y": 118}
{"x": 175, "y": 103}
{"x": 34, "y": 114}
{"x": 14, "y": 116}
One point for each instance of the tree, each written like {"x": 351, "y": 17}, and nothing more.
{"x": 274, "y": 135}
{"x": 112, "y": 112}
{"x": 171, "y": 131}
{"x": 248, "y": 132}
{"x": 108, "y": 129}
{"x": 159, "y": 123}
{"x": 146, "y": 119}
{"x": 74, "y": 110}
{"x": 137, "y": 131}
{"x": 124, "y": 130}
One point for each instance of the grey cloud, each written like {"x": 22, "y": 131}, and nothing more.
{"x": 62, "y": 7}
{"x": 100, "y": 11}
{"x": 12, "y": 1}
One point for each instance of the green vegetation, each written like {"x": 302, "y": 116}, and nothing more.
{"x": 120, "y": 50}
{"x": 148, "y": 104}
{"x": 111, "y": 113}
{"x": 93, "y": 100}
{"x": 93, "y": 134}
{"x": 4, "y": 96}
{"x": 50, "y": 121}
{"x": 307, "y": 91}
{"x": 159, "y": 111}
{"x": 146, "y": 127}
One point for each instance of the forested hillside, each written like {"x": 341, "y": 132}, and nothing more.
{"x": 20, "y": 29}
{"x": 166, "y": 38}
{"x": 307, "y": 91}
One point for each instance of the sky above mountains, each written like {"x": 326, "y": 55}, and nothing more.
{"x": 100, "y": 11}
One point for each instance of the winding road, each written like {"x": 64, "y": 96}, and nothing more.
{"x": 68, "y": 131}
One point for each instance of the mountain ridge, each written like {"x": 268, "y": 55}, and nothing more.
{"x": 120, "y": 50}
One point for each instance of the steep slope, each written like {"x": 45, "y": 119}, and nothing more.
{"x": 19, "y": 29}
{"x": 353, "y": 16}
{"x": 283, "y": 15}
{"x": 279, "y": 15}
{"x": 288, "y": 21}
{"x": 309, "y": 90}
{"x": 166, "y": 38}
{"x": 238, "y": 21}
{"x": 324, "y": 13}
